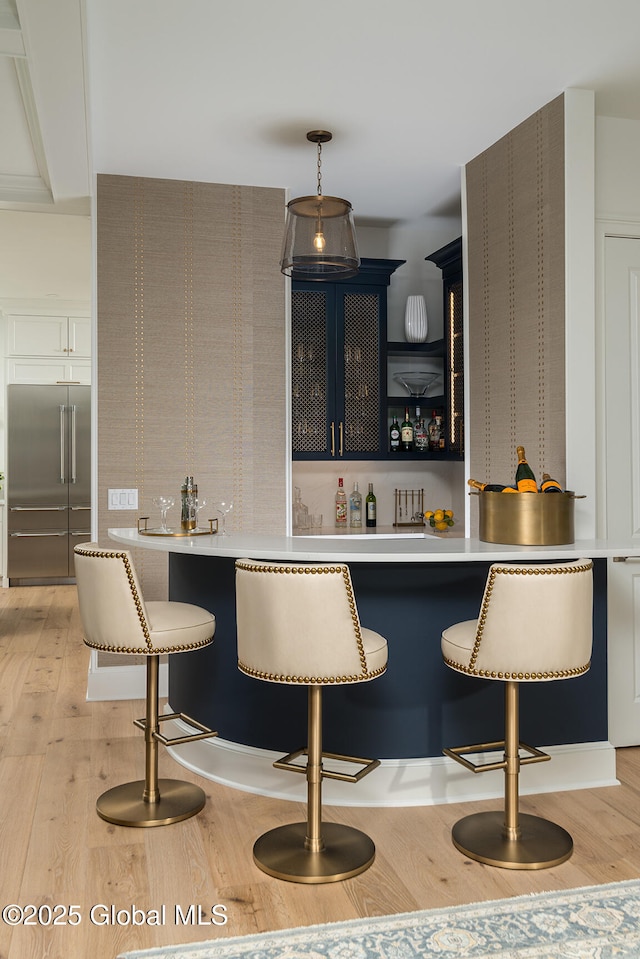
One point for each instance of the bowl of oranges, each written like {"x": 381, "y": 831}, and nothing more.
{"x": 440, "y": 520}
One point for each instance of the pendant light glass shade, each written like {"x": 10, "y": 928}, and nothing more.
{"x": 320, "y": 238}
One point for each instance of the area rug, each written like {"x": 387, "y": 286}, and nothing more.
{"x": 594, "y": 922}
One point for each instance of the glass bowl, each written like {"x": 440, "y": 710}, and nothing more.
{"x": 416, "y": 382}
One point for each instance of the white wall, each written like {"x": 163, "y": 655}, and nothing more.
{"x": 411, "y": 241}
{"x": 617, "y": 169}
{"x": 44, "y": 255}
{"x": 45, "y": 262}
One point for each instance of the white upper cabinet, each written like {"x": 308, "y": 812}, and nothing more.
{"x": 53, "y": 336}
{"x": 47, "y": 348}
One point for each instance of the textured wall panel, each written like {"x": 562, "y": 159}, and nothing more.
{"x": 191, "y": 351}
{"x": 515, "y": 202}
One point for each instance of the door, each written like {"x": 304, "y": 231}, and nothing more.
{"x": 621, "y": 451}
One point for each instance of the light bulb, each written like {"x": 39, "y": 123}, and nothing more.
{"x": 319, "y": 242}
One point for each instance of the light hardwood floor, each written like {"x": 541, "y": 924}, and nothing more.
{"x": 58, "y": 752}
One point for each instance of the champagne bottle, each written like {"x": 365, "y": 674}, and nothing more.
{"x": 371, "y": 507}
{"x": 549, "y": 485}
{"x": 394, "y": 436}
{"x": 355, "y": 508}
{"x": 406, "y": 432}
{"x": 188, "y": 498}
{"x": 525, "y": 477}
{"x": 341, "y": 505}
{"x": 490, "y": 487}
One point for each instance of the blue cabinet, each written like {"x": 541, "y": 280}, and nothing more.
{"x": 338, "y": 362}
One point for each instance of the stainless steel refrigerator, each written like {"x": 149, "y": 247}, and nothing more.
{"x": 48, "y": 479}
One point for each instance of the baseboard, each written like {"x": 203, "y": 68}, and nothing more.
{"x": 106, "y": 683}
{"x": 396, "y": 782}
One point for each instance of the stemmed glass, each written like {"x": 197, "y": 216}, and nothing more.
{"x": 163, "y": 503}
{"x": 201, "y": 502}
{"x": 223, "y": 507}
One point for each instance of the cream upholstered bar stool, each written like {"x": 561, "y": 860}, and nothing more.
{"x": 116, "y": 619}
{"x": 298, "y": 624}
{"x": 535, "y": 625}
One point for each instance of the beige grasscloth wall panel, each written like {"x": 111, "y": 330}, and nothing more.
{"x": 191, "y": 351}
{"x": 515, "y": 281}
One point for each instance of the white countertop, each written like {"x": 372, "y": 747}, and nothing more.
{"x": 413, "y": 547}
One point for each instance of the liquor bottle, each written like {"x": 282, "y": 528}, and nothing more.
{"x": 525, "y": 477}
{"x": 406, "y": 432}
{"x": 341, "y": 505}
{"x": 188, "y": 498}
{"x": 420, "y": 435}
{"x": 549, "y": 485}
{"x": 440, "y": 430}
{"x": 433, "y": 432}
{"x": 394, "y": 436}
{"x": 371, "y": 506}
{"x": 355, "y": 508}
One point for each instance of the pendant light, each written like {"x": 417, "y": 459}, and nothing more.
{"x": 320, "y": 239}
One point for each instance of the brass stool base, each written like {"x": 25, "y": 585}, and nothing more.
{"x": 124, "y": 805}
{"x": 281, "y": 853}
{"x": 541, "y": 844}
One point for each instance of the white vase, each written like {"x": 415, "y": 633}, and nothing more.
{"x": 415, "y": 320}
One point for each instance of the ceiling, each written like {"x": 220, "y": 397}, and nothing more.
{"x": 225, "y": 91}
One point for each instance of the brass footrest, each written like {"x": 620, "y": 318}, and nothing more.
{"x": 204, "y": 731}
{"x": 459, "y": 752}
{"x": 368, "y": 765}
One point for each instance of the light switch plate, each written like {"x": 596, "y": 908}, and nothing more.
{"x": 122, "y": 499}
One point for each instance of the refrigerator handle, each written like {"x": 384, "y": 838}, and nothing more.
{"x": 63, "y": 478}
{"x": 73, "y": 444}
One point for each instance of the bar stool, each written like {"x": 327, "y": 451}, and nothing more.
{"x": 535, "y": 625}
{"x": 115, "y": 619}
{"x": 300, "y": 625}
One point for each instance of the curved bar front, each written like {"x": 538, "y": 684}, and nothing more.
{"x": 407, "y": 589}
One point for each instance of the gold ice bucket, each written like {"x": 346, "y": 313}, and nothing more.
{"x": 527, "y": 519}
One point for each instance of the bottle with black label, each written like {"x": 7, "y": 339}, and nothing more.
{"x": 394, "y": 436}
{"x": 549, "y": 485}
{"x": 406, "y": 433}
{"x": 490, "y": 487}
{"x": 525, "y": 477}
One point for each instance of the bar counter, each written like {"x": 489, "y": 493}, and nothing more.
{"x": 408, "y": 587}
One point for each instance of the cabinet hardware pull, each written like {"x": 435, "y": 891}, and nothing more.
{"x": 333, "y": 438}
{"x": 341, "y": 430}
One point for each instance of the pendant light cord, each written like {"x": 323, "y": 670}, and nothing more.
{"x": 319, "y": 168}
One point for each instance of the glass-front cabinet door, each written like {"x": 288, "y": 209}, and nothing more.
{"x": 338, "y": 341}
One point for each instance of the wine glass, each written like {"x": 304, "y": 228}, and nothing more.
{"x": 201, "y": 502}
{"x": 163, "y": 503}
{"x": 223, "y": 507}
